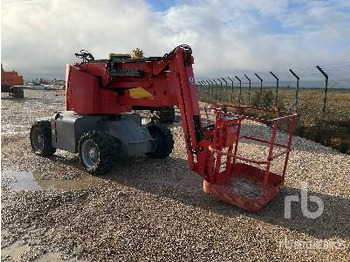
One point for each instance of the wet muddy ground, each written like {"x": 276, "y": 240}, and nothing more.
{"x": 146, "y": 209}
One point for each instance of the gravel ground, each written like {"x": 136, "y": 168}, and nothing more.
{"x": 155, "y": 210}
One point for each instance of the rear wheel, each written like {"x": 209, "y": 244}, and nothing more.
{"x": 167, "y": 115}
{"x": 97, "y": 152}
{"x": 17, "y": 93}
{"x": 40, "y": 139}
{"x": 163, "y": 141}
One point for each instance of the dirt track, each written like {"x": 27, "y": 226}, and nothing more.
{"x": 155, "y": 209}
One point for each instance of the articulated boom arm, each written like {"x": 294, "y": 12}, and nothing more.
{"x": 183, "y": 80}
{"x": 105, "y": 88}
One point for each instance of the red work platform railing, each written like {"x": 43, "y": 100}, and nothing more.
{"x": 244, "y": 181}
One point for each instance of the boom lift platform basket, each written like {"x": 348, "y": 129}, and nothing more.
{"x": 242, "y": 181}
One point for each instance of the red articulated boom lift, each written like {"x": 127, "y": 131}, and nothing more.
{"x": 98, "y": 124}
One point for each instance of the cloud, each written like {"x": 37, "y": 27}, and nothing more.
{"x": 40, "y": 37}
{"x": 47, "y": 34}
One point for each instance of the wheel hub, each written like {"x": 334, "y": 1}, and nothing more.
{"x": 90, "y": 153}
{"x": 40, "y": 139}
{"x": 93, "y": 152}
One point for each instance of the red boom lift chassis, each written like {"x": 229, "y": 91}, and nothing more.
{"x": 98, "y": 124}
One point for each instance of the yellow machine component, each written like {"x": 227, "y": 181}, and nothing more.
{"x": 140, "y": 92}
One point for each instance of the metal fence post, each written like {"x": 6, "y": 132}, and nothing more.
{"x": 220, "y": 88}
{"x": 203, "y": 83}
{"x": 208, "y": 84}
{"x": 297, "y": 90}
{"x": 216, "y": 89}
{"x": 277, "y": 86}
{"x": 212, "y": 86}
{"x": 240, "y": 90}
{"x": 232, "y": 88}
{"x": 261, "y": 82}
{"x": 325, "y": 88}
{"x": 225, "y": 82}
{"x": 250, "y": 87}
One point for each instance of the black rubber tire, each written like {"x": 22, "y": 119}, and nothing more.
{"x": 164, "y": 141}
{"x": 167, "y": 115}
{"x": 44, "y": 128}
{"x": 17, "y": 93}
{"x": 106, "y": 149}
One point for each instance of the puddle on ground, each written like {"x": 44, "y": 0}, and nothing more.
{"x": 15, "y": 251}
{"x": 24, "y": 180}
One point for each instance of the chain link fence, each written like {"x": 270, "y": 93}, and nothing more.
{"x": 323, "y": 108}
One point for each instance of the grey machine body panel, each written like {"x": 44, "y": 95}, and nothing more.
{"x": 132, "y": 137}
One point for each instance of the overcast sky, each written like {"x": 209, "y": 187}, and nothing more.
{"x": 38, "y": 37}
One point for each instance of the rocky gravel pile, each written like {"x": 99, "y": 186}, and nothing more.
{"x": 155, "y": 210}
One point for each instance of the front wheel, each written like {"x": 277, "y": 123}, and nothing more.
{"x": 163, "y": 141}
{"x": 96, "y": 152}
